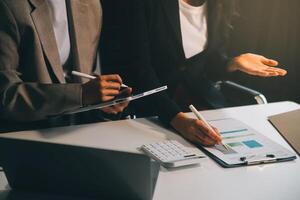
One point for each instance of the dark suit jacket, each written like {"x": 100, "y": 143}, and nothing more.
{"x": 142, "y": 41}
{"x": 32, "y": 84}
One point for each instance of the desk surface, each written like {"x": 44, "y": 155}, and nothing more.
{"x": 208, "y": 181}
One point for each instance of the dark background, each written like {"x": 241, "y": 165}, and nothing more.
{"x": 270, "y": 28}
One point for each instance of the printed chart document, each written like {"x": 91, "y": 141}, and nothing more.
{"x": 245, "y": 146}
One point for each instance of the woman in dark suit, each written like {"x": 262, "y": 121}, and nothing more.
{"x": 179, "y": 43}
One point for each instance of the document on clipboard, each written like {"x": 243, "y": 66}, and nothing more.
{"x": 117, "y": 101}
{"x": 245, "y": 146}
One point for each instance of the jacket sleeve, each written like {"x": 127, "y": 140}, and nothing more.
{"x": 216, "y": 65}
{"x": 126, "y": 50}
{"x": 27, "y": 101}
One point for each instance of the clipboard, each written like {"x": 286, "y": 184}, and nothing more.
{"x": 246, "y": 146}
{"x": 117, "y": 101}
{"x": 246, "y": 163}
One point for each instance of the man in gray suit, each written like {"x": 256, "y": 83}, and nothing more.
{"x": 41, "y": 41}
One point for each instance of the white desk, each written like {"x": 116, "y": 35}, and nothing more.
{"x": 209, "y": 181}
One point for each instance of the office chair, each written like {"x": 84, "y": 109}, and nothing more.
{"x": 235, "y": 95}
{"x": 238, "y": 95}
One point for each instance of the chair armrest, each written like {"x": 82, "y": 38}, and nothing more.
{"x": 259, "y": 97}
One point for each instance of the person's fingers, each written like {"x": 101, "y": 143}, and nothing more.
{"x": 272, "y": 70}
{"x": 116, "y": 108}
{"x": 204, "y": 140}
{"x": 120, "y": 107}
{"x": 124, "y": 104}
{"x": 109, "y": 110}
{"x": 257, "y": 72}
{"x": 212, "y": 134}
{"x": 206, "y": 130}
{"x": 276, "y": 69}
{"x": 216, "y": 130}
{"x": 128, "y": 90}
{"x": 280, "y": 71}
{"x": 110, "y": 85}
{"x": 268, "y": 72}
{"x": 112, "y": 77}
{"x": 265, "y": 72}
{"x": 269, "y": 62}
{"x": 272, "y": 73}
{"x": 258, "y": 65}
{"x": 106, "y": 98}
{"x": 196, "y": 136}
{"x": 109, "y": 92}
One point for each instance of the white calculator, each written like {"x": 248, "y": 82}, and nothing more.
{"x": 171, "y": 153}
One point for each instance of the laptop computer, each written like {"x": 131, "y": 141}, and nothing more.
{"x": 77, "y": 171}
{"x": 288, "y": 126}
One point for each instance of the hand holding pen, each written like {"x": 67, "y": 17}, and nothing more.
{"x": 195, "y": 130}
{"x": 200, "y": 117}
{"x": 83, "y": 75}
{"x": 103, "y": 88}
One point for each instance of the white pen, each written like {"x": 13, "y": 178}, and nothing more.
{"x": 200, "y": 117}
{"x": 83, "y": 75}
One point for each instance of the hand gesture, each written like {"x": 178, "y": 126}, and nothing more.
{"x": 256, "y": 65}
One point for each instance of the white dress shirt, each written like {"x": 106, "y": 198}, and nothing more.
{"x": 60, "y": 24}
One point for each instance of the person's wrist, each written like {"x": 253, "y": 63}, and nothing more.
{"x": 233, "y": 64}
{"x": 88, "y": 95}
{"x": 84, "y": 95}
{"x": 176, "y": 122}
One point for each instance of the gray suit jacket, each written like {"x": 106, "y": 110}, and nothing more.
{"x": 32, "y": 84}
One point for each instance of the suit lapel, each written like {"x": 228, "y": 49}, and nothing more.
{"x": 80, "y": 31}
{"x": 42, "y": 21}
{"x": 212, "y": 25}
{"x": 171, "y": 9}
{"x": 210, "y": 30}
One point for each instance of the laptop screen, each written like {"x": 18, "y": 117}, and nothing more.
{"x": 288, "y": 126}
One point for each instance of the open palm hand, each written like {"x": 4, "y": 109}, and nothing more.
{"x": 256, "y": 65}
